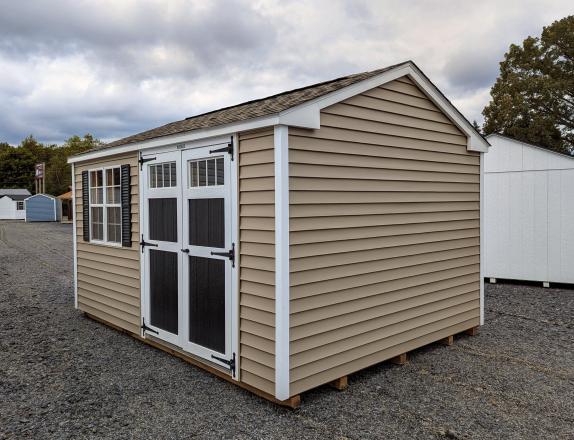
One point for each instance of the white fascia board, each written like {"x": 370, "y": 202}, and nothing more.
{"x": 354, "y": 89}
{"x": 308, "y": 115}
{"x": 281, "y": 142}
{"x": 475, "y": 141}
{"x": 164, "y": 141}
{"x": 529, "y": 145}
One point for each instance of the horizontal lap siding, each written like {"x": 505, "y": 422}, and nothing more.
{"x": 109, "y": 277}
{"x": 384, "y": 233}
{"x": 257, "y": 259}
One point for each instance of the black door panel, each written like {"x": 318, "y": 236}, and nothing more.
{"x": 163, "y": 290}
{"x": 207, "y": 303}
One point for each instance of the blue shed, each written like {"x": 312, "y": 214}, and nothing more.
{"x": 43, "y": 208}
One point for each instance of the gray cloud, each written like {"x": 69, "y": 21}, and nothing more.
{"x": 472, "y": 70}
{"x": 126, "y": 41}
{"x": 114, "y": 68}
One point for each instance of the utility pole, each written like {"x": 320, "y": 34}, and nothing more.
{"x": 39, "y": 180}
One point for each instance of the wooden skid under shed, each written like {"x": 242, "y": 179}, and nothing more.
{"x": 294, "y": 401}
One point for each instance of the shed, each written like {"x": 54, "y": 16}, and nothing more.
{"x": 12, "y": 203}
{"x": 529, "y": 212}
{"x": 289, "y": 241}
{"x": 43, "y": 208}
{"x": 67, "y": 207}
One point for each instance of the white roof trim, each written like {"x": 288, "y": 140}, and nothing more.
{"x": 48, "y": 196}
{"x": 527, "y": 144}
{"x": 307, "y": 115}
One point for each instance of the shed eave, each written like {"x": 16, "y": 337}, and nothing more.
{"x": 308, "y": 115}
{"x": 181, "y": 138}
{"x": 528, "y": 144}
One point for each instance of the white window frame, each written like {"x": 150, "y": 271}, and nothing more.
{"x": 20, "y": 203}
{"x": 104, "y": 206}
{"x": 163, "y": 175}
{"x": 205, "y": 159}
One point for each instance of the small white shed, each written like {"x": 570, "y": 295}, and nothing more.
{"x": 529, "y": 212}
{"x": 12, "y": 203}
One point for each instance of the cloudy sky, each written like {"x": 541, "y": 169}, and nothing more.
{"x": 113, "y": 68}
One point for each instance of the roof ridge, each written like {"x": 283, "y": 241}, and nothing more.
{"x": 265, "y": 106}
{"x": 298, "y": 89}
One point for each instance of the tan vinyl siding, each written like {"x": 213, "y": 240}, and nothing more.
{"x": 109, "y": 276}
{"x": 384, "y": 233}
{"x": 257, "y": 259}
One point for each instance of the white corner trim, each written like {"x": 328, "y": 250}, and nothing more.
{"x": 75, "y": 238}
{"x": 281, "y": 141}
{"x": 235, "y": 293}
{"x": 482, "y": 240}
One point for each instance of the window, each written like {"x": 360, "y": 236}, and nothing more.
{"x": 206, "y": 172}
{"x": 19, "y": 206}
{"x": 105, "y": 205}
{"x": 162, "y": 175}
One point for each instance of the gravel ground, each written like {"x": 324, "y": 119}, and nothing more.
{"x": 65, "y": 376}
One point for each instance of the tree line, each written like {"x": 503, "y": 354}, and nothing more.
{"x": 17, "y": 162}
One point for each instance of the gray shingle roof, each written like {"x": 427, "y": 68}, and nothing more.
{"x": 251, "y": 109}
{"x": 15, "y": 193}
{"x": 18, "y": 198}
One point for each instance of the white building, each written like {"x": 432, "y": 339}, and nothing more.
{"x": 12, "y": 204}
{"x": 529, "y": 212}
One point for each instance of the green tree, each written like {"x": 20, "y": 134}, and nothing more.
{"x": 476, "y": 126}
{"x": 17, "y": 163}
{"x": 58, "y": 172}
{"x": 533, "y": 97}
{"x": 17, "y": 168}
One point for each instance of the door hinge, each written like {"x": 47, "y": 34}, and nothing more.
{"x": 229, "y": 254}
{"x": 145, "y": 328}
{"x": 229, "y": 362}
{"x": 144, "y": 243}
{"x": 228, "y": 149}
{"x": 142, "y": 161}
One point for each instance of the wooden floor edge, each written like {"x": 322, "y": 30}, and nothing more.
{"x": 293, "y": 402}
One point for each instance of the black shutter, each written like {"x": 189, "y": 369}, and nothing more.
{"x": 86, "y": 205}
{"x": 126, "y": 207}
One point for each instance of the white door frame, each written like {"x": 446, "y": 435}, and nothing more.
{"x": 214, "y": 143}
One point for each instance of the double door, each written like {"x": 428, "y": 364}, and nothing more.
{"x": 188, "y": 251}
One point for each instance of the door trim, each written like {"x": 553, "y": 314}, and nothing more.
{"x": 160, "y": 334}
{"x": 234, "y": 190}
{"x": 203, "y": 251}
